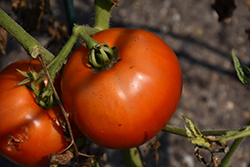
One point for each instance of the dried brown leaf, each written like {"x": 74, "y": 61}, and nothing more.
{"x": 115, "y": 2}
{"x": 3, "y": 40}
{"x": 61, "y": 158}
{"x": 15, "y": 4}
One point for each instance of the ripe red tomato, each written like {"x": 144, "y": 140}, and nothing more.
{"x": 28, "y": 133}
{"x": 129, "y": 104}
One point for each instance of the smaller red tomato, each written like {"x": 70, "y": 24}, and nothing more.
{"x": 28, "y": 133}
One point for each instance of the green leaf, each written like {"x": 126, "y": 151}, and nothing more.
{"x": 23, "y": 82}
{"x": 31, "y": 76}
{"x": 195, "y": 136}
{"x": 240, "y": 72}
{"x": 193, "y": 130}
{"x": 26, "y": 80}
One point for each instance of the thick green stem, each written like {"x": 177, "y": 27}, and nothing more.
{"x": 175, "y": 130}
{"x": 30, "y": 44}
{"x": 226, "y": 160}
{"x": 78, "y": 31}
{"x": 132, "y": 158}
{"x": 102, "y": 14}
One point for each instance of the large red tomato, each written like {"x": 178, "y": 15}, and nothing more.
{"x": 28, "y": 133}
{"x": 129, "y": 104}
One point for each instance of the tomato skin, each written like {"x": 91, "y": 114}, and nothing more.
{"x": 129, "y": 104}
{"x": 28, "y": 133}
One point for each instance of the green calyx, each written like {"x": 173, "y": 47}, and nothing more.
{"x": 100, "y": 55}
{"x": 43, "y": 93}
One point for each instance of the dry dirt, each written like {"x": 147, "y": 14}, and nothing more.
{"x": 213, "y": 97}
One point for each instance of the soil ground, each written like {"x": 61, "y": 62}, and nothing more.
{"x": 213, "y": 97}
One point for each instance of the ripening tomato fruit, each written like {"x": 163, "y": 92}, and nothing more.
{"x": 129, "y": 104}
{"x": 28, "y": 133}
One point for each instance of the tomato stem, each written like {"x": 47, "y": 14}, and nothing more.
{"x": 227, "y": 158}
{"x": 30, "y": 44}
{"x": 78, "y": 31}
{"x": 102, "y": 14}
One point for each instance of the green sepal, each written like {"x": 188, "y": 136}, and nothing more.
{"x": 26, "y": 80}
{"x": 100, "y": 55}
{"x": 44, "y": 95}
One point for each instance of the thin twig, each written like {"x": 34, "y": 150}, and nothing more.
{"x": 46, "y": 72}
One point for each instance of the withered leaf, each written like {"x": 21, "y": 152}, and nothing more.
{"x": 224, "y": 8}
{"x": 115, "y": 2}
{"x": 19, "y": 4}
{"x": 3, "y": 40}
{"x": 216, "y": 161}
{"x": 61, "y": 158}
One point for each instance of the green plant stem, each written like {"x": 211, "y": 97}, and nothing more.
{"x": 175, "y": 130}
{"x": 132, "y": 158}
{"x": 182, "y": 132}
{"x": 78, "y": 31}
{"x": 60, "y": 58}
{"x": 30, "y": 44}
{"x": 102, "y": 14}
{"x": 227, "y": 158}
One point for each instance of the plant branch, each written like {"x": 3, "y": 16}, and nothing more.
{"x": 102, "y": 14}
{"x": 78, "y": 31}
{"x": 30, "y": 44}
{"x": 227, "y": 158}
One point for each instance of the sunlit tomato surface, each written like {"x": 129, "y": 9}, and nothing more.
{"x": 28, "y": 133}
{"x": 129, "y": 104}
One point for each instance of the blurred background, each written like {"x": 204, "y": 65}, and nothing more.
{"x": 213, "y": 97}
